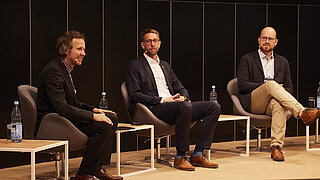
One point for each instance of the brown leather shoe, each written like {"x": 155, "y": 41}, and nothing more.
{"x": 103, "y": 175}
{"x": 183, "y": 164}
{"x": 308, "y": 116}
{"x": 202, "y": 161}
{"x": 276, "y": 153}
{"x": 84, "y": 177}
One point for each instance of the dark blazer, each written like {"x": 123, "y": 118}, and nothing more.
{"x": 250, "y": 75}
{"x": 141, "y": 85}
{"x": 56, "y": 95}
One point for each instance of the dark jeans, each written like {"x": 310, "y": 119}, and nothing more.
{"x": 183, "y": 113}
{"x": 99, "y": 146}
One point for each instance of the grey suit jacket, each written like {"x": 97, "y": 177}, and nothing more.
{"x": 141, "y": 84}
{"x": 250, "y": 75}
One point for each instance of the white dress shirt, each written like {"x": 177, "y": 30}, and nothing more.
{"x": 159, "y": 77}
{"x": 267, "y": 65}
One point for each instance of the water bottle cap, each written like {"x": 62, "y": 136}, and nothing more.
{"x": 16, "y": 103}
{"x": 104, "y": 93}
{"x": 213, "y": 86}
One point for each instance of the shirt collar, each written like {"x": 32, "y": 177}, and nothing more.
{"x": 68, "y": 67}
{"x": 263, "y": 56}
{"x": 150, "y": 60}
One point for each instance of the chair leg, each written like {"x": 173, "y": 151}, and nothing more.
{"x": 158, "y": 158}
{"x": 167, "y": 144}
{"x": 259, "y": 148}
{"x": 58, "y": 160}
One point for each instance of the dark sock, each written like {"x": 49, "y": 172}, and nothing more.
{"x": 197, "y": 152}
{"x": 180, "y": 154}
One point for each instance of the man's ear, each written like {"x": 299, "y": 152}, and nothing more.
{"x": 142, "y": 45}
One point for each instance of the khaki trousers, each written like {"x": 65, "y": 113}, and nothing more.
{"x": 272, "y": 99}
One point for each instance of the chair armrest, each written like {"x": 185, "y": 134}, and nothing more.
{"x": 237, "y": 107}
{"x": 56, "y": 127}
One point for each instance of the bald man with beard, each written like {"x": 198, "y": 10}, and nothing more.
{"x": 265, "y": 86}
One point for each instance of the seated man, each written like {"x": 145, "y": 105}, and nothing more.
{"x": 57, "y": 93}
{"x": 152, "y": 82}
{"x": 265, "y": 88}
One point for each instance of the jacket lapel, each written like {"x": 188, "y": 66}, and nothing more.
{"x": 257, "y": 60}
{"x": 149, "y": 72}
{"x": 276, "y": 65}
{"x": 166, "y": 75}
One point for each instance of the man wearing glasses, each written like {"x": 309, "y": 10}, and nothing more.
{"x": 265, "y": 86}
{"x": 152, "y": 82}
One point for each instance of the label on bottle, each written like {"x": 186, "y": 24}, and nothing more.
{"x": 18, "y": 131}
{"x": 318, "y": 102}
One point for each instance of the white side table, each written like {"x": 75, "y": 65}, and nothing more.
{"x": 316, "y": 137}
{"x": 133, "y": 128}
{"x": 236, "y": 118}
{"x": 34, "y": 146}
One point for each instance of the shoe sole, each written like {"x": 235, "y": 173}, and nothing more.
{"x": 198, "y": 165}
{"x": 277, "y": 159}
{"x": 183, "y": 169}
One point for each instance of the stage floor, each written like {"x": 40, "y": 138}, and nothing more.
{"x": 298, "y": 164}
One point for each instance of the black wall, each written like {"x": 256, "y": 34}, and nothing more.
{"x": 203, "y": 42}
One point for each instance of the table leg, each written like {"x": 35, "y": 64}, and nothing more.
{"x": 152, "y": 146}
{"x": 33, "y": 165}
{"x": 248, "y": 137}
{"x": 307, "y": 138}
{"x": 66, "y": 161}
{"x": 317, "y": 131}
{"x": 118, "y": 152}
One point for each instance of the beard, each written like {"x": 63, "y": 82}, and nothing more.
{"x": 265, "y": 48}
{"x": 152, "y": 52}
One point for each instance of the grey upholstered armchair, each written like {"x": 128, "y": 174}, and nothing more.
{"x": 52, "y": 127}
{"x": 257, "y": 121}
{"x": 142, "y": 115}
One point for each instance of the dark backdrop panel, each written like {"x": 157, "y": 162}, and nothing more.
{"x": 120, "y": 47}
{"x": 47, "y": 26}
{"x": 284, "y": 20}
{"x": 86, "y": 17}
{"x": 14, "y": 66}
{"x": 219, "y": 52}
{"x": 309, "y": 60}
{"x": 14, "y": 57}
{"x": 187, "y": 46}
{"x": 159, "y": 20}
{"x": 219, "y": 60}
{"x": 250, "y": 21}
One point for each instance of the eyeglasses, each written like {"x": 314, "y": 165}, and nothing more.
{"x": 149, "y": 41}
{"x": 270, "y": 39}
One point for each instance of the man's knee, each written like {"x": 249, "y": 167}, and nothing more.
{"x": 186, "y": 106}
{"x": 275, "y": 105}
{"x": 216, "y": 107}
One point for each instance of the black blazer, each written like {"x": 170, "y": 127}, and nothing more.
{"x": 250, "y": 75}
{"x": 141, "y": 85}
{"x": 56, "y": 95}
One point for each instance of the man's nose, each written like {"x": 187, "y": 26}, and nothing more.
{"x": 83, "y": 53}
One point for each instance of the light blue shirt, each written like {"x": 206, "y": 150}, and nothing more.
{"x": 267, "y": 65}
